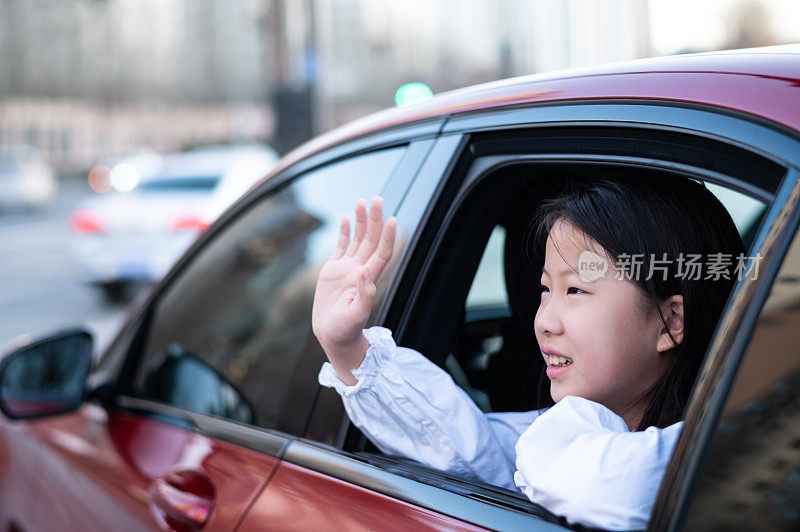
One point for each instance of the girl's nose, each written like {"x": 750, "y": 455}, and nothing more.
{"x": 547, "y": 319}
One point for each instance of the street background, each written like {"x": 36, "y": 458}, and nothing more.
{"x": 88, "y": 81}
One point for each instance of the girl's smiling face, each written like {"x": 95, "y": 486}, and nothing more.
{"x": 617, "y": 348}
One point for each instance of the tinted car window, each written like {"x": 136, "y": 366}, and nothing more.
{"x": 751, "y": 479}
{"x": 745, "y": 211}
{"x": 227, "y": 334}
{"x": 489, "y": 285}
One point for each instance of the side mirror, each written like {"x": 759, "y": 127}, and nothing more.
{"x": 47, "y": 376}
{"x": 182, "y": 379}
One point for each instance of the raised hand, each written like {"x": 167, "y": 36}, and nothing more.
{"x": 346, "y": 287}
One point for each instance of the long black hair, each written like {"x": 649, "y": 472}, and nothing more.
{"x": 657, "y": 217}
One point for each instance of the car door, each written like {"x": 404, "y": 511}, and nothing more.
{"x": 195, "y": 400}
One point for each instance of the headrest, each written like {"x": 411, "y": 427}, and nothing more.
{"x": 522, "y": 279}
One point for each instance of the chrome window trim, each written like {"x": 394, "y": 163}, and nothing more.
{"x": 724, "y": 356}
{"x": 481, "y": 513}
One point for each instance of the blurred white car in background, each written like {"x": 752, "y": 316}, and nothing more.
{"x": 26, "y": 181}
{"x": 136, "y": 231}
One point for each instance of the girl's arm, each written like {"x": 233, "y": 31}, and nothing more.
{"x": 403, "y": 402}
{"x": 579, "y": 460}
{"x": 408, "y": 406}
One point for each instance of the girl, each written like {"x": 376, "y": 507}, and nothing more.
{"x": 623, "y": 324}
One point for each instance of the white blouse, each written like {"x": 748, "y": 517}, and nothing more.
{"x": 577, "y": 458}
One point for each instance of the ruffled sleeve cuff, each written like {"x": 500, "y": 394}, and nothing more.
{"x": 381, "y": 346}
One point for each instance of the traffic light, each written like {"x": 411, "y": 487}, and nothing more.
{"x": 411, "y": 93}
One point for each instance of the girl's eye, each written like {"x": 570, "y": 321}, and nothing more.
{"x": 576, "y": 290}
{"x": 543, "y": 288}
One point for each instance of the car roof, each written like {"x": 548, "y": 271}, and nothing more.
{"x": 736, "y": 80}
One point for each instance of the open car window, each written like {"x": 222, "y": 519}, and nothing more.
{"x": 486, "y": 360}
{"x": 480, "y": 289}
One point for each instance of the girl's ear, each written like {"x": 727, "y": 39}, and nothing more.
{"x": 672, "y": 311}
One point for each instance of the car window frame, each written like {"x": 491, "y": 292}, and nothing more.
{"x": 736, "y": 368}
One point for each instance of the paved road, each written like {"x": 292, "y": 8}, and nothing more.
{"x": 40, "y": 285}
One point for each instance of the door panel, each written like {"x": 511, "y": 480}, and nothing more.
{"x": 301, "y": 499}
{"x": 112, "y": 470}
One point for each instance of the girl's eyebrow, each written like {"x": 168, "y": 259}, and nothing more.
{"x": 561, "y": 273}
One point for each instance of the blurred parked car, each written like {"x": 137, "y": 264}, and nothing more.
{"x": 134, "y": 232}
{"x": 205, "y": 411}
{"x": 26, "y": 180}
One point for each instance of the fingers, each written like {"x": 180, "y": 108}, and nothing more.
{"x": 361, "y": 227}
{"x": 373, "y": 232}
{"x": 344, "y": 238}
{"x": 377, "y": 262}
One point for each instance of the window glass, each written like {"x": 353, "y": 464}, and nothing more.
{"x": 227, "y": 335}
{"x": 745, "y": 211}
{"x": 489, "y": 285}
{"x": 751, "y": 479}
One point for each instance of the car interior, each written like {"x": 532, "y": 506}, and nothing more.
{"x": 495, "y": 356}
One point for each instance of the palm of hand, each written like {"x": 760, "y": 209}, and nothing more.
{"x": 345, "y": 289}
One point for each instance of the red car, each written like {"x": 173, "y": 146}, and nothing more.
{"x": 205, "y": 411}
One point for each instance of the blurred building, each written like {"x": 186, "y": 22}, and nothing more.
{"x": 368, "y": 49}
{"x": 90, "y": 79}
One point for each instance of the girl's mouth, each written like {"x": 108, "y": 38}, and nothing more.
{"x": 556, "y": 365}
{"x": 557, "y": 361}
